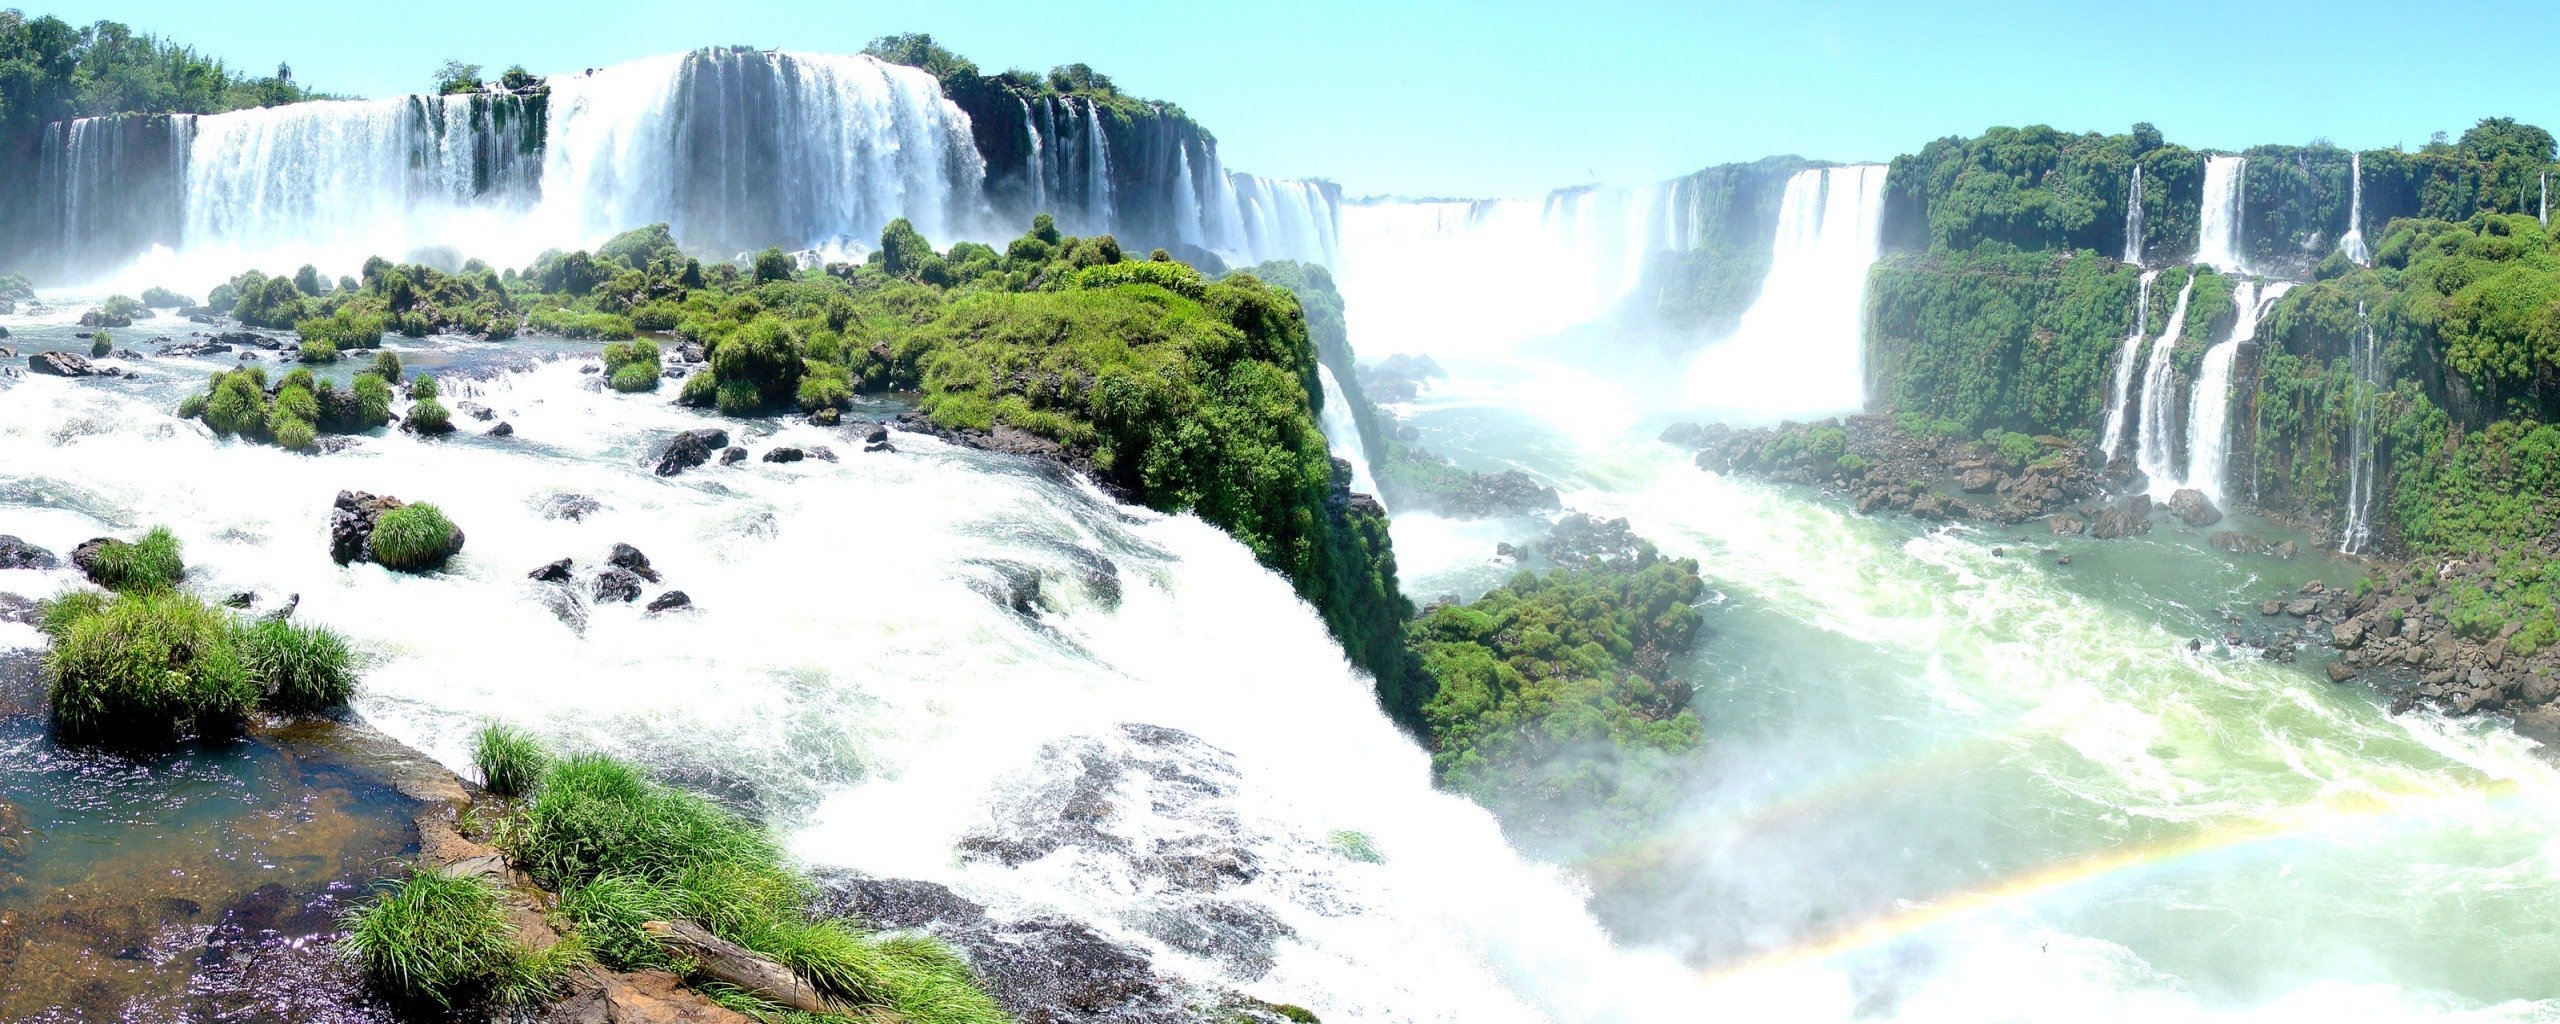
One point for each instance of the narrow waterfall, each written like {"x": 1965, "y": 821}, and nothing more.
{"x": 1035, "y": 167}
{"x": 2218, "y": 237}
{"x": 2154, "y": 430}
{"x": 2114, "y": 437}
{"x": 2353, "y": 242}
{"x": 1342, "y": 434}
{"x": 2543, "y": 212}
{"x": 2357, "y": 535}
{"x": 1799, "y": 349}
{"x": 2209, "y": 417}
{"x": 1097, "y": 166}
{"x": 2133, "y": 219}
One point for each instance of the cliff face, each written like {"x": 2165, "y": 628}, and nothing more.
{"x": 1725, "y": 218}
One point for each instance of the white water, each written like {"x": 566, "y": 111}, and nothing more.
{"x": 2132, "y": 353}
{"x": 862, "y": 685}
{"x": 2357, "y": 535}
{"x": 1097, "y": 169}
{"x": 2152, "y": 451}
{"x": 1342, "y": 433}
{"x": 2353, "y": 242}
{"x": 2133, "y": 219}
{"x": 1799, "y": 349}
{"x": 2218, "y": 236}
{"x": 2209, "y": 420}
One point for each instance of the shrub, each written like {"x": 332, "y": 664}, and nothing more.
{"x": 700, "y": 389}
{"x": 123, "y": 306}
{"x": 162, "y": 298}
{"x": 296, "y": 434}
{"x": 424, "y": 387}
{"x": 825, "y": 392}
{"x": 238, "y": 403}
{"x": 386, "y": 365}
{"x": 297, "y": 669}
{"x": 101, "y": 344}
{"x": 414, "y": 538}
{"x": 739, "y": 398}
{"x": 447, "y": 940}
{"x": 373, "y": 399}
{"x": 633, "y": 365}
{"x": 428, "y": 416}
{"x": 144, "y": 669}
{"x": 510, "y": 763}
{"x": 274, "y": 304}
{"x": 774, "y": 265}
{"x": 152, "y": 563}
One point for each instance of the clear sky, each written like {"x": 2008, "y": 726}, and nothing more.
{"x": 1511, "y": 97}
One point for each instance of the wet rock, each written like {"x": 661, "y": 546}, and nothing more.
{"x": 1978, "y": 480}
{"x": 2270, "y": 607}
{"x": 878, "y": 435}
{"x": 2339, "y": 672}
{"x": 2347, "y": 635}
{"x": 565, "y": 606}
{"x": 732, "y": 456}
{"x": 826, "y": 417}
{"x": 2130, "y": 517}
{"x": 18, "y": 554}
{"x": 879, "y": 446}
{"x": 822, "y": 453}
{"x": 624, "y": 556}
{"x": 615, "y": 584}
{"x": 561, "y": 571}
{"x": 61, "y": 364}
{"x": 503, "y": 429}
{"x": 475, "y": 410}
{"x": 2235, "y": 542}
{"x": 195, "y": 348}
{"x": 2067, "y": 526}
{"x": 572, "y": 507}
{"x": 2284, "y": 549}
{"x": 351, "y": 519}
{"x": 670, "y": 601}
{"x": 2303, "y": 608}
{"x": 784, "y": 453}
{"x": 1040, "y": 969}
{"x": 14, "y": 608}
{"x": 689, "y": 449}
{"x": 240, "y": 599}
{"x": 643, "y": 997}
{"x": 284, "y": 611}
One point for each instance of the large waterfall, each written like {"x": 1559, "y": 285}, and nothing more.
{"x": 2209, "y": 416}
{"x": 2218, "y": 236}
{"x": 735, "y": 149}
{"x": 2125, "y": 360}
{"x": 1800, "y": 347}
{"x": 2155, "y": 430}
{"x": 2352, "y": 243}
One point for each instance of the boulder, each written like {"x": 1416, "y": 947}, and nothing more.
{"x": 2067, "y": 526}
{"x": 556, "y": 572}
{"x": 2303, "y": 608}
{"x": 784, "y": 453}
{"x": 670, "y": 601}
{"x": 2128, "y": 518}
{"x": 572, "y": 507}
{"x": 625, "y": 556}
{"x": 2271, "y": 607}
{"x": 18, "y": 554}
{"x": 2347, "y": 635}
{"x": 1978, "y": 480}
{"x": 826, "y": 417}
{"x": 878, "y": 435}
{"x": 822, "y": 453}
{"x": 351, "y": 519}
{"x": 2193, "y": 508}
{"x": 503, "y": 429}
{"x": 2339, "y": 672}
{"x": 616, "y": 584}
{"x": 2235, "y": 542}
{"x": 732, "y": 456}
{"x": 689, "y": 449}
{"x": 475, "y": 410}
{"x": 61, "y": 364}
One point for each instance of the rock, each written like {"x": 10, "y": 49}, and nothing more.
{"x": 822, "y": 453}
{"x": 291, "y": 602}
{"x": 2347, "y": 635}
{"x": 879, "y": 446}
{"x": 565, "y": 606}
{"x": 18, "y": 554}
{"x": 2193, "y": 508}
{"x": 351, "y": 520}
{"x": 2067, "y": 526}
{"x": 2303, "y": 608}
{"x": 2339, "y": 672}
{"x": 14, "y": 608}
{"x": 784, "y": 453}
{"x": 689, "y": 449}
{"x": 625, "y": 556}
{"x": 2235, "y": 542}
{"x": 572, "y": 507}
{"x": 1979, "y": 480}
{"x": 2128, "y": 518}
{"x": 240, "y": 599}
{"x": 644, "y": 997}
{"x": 826, "y": 417}
{"x": 878, "y": 435}
{"x": 670, "y": 601}
{"x": 503, "y": 429}
{"x": 616, "y": 584}
{"x": 2271, "y": 606}
{"x": 556, "y": 572}
{"x": 732, "y": 456}
{"x": 61, "y": 364}
{"x": 475, "y": 410}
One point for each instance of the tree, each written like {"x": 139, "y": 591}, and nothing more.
{"x": 284, "y": 72}
{"x": 918, "y": 50}
{"x": 2495, "y": 137}
{"x": 2146, "y": 138}
{"x": 454, "y": 76}
{"x": 517, "y": 79}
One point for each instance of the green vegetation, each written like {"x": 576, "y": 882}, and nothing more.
{"x": 300, "y": 669}
{"x": 1554, "y": 705}
{"x": 427, "y": 414}
{"x": 153, "y": 563}
{"x": 632, "y": 365}
{"x": 50, "y": 71}
{"x": 237, "y": 403}
{"x": 2019, "y": 341}
{"x": 144, "y": 669}
{"x": 414, "y": 538}
{"x": 100, "y": 344}
{"x": 446, "y": 940}
{"x": 623, "y": 851}
{"x": 454, "y": 76}
{"x": 510, "y": 763}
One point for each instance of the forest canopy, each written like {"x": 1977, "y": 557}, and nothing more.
{"x": 51, "y": 70}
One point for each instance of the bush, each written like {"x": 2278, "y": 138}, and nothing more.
{"x": 345, "y": 329}
{"x": 701, "y": 389}
{"x": 101, "y": 344}
{"x": 447, "y": 940}
{"x": 426, "y": 414}
{"x": 510, "y": 763}
{"x": 415, "y": 538}
{"x": 633, "y": 365}
{"x": 372, "y": 400}
{"x": 386, "y": 365}
{"x": 297, "y": 669}
{"x": 150, "y": 564}
{"x": 292, "y": 433}
{"x": 238, "y": 403}
{"x": 162, "y": 298}
{"x": 144, "y": 669}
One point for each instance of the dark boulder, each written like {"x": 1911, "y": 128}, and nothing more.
{"x": 556, "y": 572}
{"x": 2067, "y": 526}
{"x": 18, "y": 554}
{"x": 784, "y": 453}
{"x": 61, "y": 364}
{"x": 616, "y": 584}
{"x": 878, "y": 435}
{"x": 732, "y": 456}
{"x": 351, "y": 519}
{"x": 2193, "y": 508}
{"x": 2128, "y": 518}
{"x": 503, "y": 429}
{"x": 2237, "y": 543}
{"x": 689, "y": 449}
{"x": 822, "y": 453}
{"x": 670, "y": 601}
{"x": 1978, "y": 480}
{"x": 625, "y": 556}
{"x": 827, "y": 417}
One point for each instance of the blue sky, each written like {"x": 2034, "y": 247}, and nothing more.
{"x": 1513, "y": 97}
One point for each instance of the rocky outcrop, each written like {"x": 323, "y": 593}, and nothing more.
{"x": 2193, "y": 508}
{"x": 624, "y": 556}
{"x": 62, "y": 364}
{"x": 673, "y": 600}
{"x": 2129, "y": 517}
{"x": 689, "y": 449}
{"x": 784, "y": 453}
{"x": 351, "y": 519}
{"x": 615, "y": 585}
{"x": 1883, "y": 468}
{"x": 18, "y": 554}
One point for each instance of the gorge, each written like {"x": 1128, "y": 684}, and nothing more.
{"x": 2041, "y": 576}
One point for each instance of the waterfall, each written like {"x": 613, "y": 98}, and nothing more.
{"x": 1097, "y": 166}
{"x": 108, "y": 185}
{"x": 2123, "y": 392}
{"x": 1798, "y": 349}
{"x": 1034, "y": 167}
{"x": 1342, "y": 434}
{"x": 2152, "y": 447}
{"x": 2358, "y": 534}
{"x": 2209, "y": 418}
{"x": 2133, "y": 219}
{"x": 2543, "y": 212}
{"x": 2353, "y": 242}
{"x": 1286, "y": 220}
{"x": 2218, "y": 239}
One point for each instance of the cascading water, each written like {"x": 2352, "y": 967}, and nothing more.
{"x": 1035, "y": 168}
{"x": 1799, "y": 348}
{"x": 2125, "y": 360}
{"x": 1097, "y": 167}
{"x": 2209, "y": 419}
{"x": 2153, "y": 445}
{"x": 2133, "y": 219}
{"x": 2218, "y": 236}
{"x": 2352, "y": 243}
{"x": 2542, "y": 212}
{"x": 2357, "y": 535}
{"x": 1342, "y": 434}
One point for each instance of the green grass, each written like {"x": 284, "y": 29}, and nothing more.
{"x": 300, "y": 669}
{"x": 144, "y": 669}
{"x": 152, "y": 563}
{"x": 632, "y": 365}
{"x": 510, "y": 763}
{"x": 317, "y": 350}
{"x": 414, "y": 538}
{"x": 447, "y": 941}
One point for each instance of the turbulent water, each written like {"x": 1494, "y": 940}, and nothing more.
{"x": 1799, "y": 348}
{"x": 2209, "y": 418}
{"x": 2218, "y": 237}
{"x": 2155, "y": 429}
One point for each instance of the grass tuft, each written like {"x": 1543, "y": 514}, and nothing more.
{"x": 144, "y": 669}
{"x": 299, "y": 669}
{"x": 152, "y": 563}
{"x": 510, "y": 763}
{"x": 414, "y": 538}
{"x": 447, "y": 941}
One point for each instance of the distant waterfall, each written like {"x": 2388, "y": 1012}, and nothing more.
{"x": 2133, "y": 219}
{"x": 2353, "y": 242}
{"x": 2114, "y": 437}
{"x": 2153, "y": 450}
{"x": 2357, "y": 536}
{"x": 2543, "y": 212}
{"x": 1800, "y": 346}
{"x": 2218, "y": 239}
{"x": 109, "y": 185}
{"x": 2209, "y": 418}
{"x": 1342, "y": 434}
{"x": 1035, "y": 169}
{"x": 1097, "y": 167}
{"x": 1297, "y": 220}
